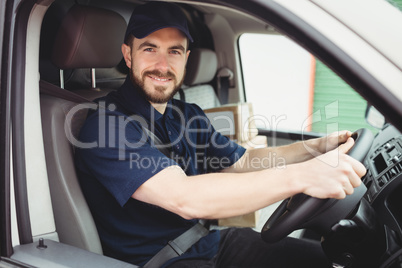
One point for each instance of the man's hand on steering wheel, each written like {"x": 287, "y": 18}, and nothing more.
{"x": 319, "y": 146}
{"x": 333, "y": 140}
{"x": 333, "y": 174}
{"x": 329, "y": 186}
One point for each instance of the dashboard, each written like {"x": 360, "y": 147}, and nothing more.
{"x": 384, "y": 177}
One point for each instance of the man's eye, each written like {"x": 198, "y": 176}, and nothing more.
{"x": 176, "y": 52}
{"x": 150, "y": 49}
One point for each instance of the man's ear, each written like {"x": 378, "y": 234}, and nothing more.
{"x": 126, "y": 51}
{"x": 187, "y": 54}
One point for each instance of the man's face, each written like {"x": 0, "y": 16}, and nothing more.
{"x": 157, "y": 63}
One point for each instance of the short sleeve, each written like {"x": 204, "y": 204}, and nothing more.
{"x": 221, "y": 151}
{"x": 123, "y": 158}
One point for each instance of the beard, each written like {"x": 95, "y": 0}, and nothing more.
{"x": 161, "y": 95}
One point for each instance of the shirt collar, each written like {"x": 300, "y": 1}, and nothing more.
{"x": 134, "y": 102}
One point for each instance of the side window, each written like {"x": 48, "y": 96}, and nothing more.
{"x": 292, "y": 91}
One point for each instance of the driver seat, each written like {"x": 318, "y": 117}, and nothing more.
{"x": 87, "y": 38}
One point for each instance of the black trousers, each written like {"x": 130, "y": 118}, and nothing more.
{"x": 244, "y": 248}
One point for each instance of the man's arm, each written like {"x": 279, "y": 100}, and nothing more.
{"x": 269, "y": 157}
{"x": 220, "y": 195}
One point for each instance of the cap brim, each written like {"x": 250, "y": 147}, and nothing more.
{"x": 141, "y": 32}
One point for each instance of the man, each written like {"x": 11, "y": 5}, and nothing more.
{"x": 143, "y": 195}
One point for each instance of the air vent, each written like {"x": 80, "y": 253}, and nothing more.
{"x": 390, "y": 174}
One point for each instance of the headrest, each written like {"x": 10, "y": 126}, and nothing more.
{"x": 89, "y": 37}
{"x": 202, "y": 65}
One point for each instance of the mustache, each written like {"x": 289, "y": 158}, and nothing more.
{"x": 157, "y": 73}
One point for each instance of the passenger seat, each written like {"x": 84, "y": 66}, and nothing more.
{"x": 201, "y": 70}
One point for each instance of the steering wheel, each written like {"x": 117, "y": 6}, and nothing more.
{"x": 303, "y": 211}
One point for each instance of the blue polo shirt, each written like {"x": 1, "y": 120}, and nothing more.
{"x": 116, "y": 157}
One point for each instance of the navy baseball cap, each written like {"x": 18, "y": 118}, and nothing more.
{"x": 154, "y": 16}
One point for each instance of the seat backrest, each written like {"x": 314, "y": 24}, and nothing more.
{"x": 74, "y": 223}
{"x": 88, "y": 37}
{"x": 201, "y": 69}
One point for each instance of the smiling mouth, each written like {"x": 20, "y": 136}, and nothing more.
{"x": 161, "y": 79}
